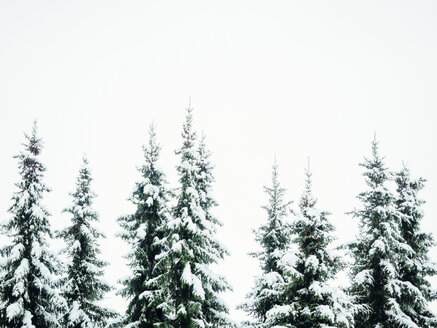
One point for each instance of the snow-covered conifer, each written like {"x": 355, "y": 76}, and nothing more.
{"x": 377, "y": 252}
{"x": 192, "y": 285}
{"x": 28, "y": 295}
{"x": 274, "y": 238}
{"x": 83, "y": 286}
{"x": 308, "y": 297}
{"x": 415, "y": 267}
{"x": 215, "y": 311}
{"x": 144, "y": 231}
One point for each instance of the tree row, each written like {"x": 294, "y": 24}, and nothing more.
{"x": 173, "y": 248}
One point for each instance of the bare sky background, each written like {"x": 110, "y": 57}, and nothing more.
{"x": 295, "y": 78}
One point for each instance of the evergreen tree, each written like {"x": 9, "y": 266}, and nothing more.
{"x": 274, "y": 237}
{"x": 215, "y": 311}
{"x": 191, "y": 284}
{"x": 377, "y": 253}
{"x": 416, "y": 266}
{"x": 308, "y": 298}
{"x": 83, "y": 287}
{"x": 28, "y": 295}
{"x": 144, "y": 231}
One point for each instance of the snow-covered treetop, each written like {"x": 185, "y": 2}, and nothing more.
{"x": 307, "y": 200}
{"x": 31, "y": 187}
{"x": 188, "y": 137}
{"x": 376, "y": 172}
{"x": 408, "y": 189}
{"x": 81, "y": 210}
{"x": 274, "y": 235}
{"x": 278, "y": 208}
{"x": 151, "y": 153}
{"x": 378, "y": 201}
{"x": 150, "y": 194}
{"x": 83, "y": 196}
{"x": 312, "y": 228}
{"x": 31, "y": 169}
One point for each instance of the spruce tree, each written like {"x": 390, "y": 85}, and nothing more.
{"x": 416, "y": 266}
{"x": 308, "y": 297}
{"x": 274, "y": 238}
{"x": 215, "y": 311}
{"x": 192, "y": 286}
{"x": 83, "y": 286}
{"x": 28, "y": 295}
{"x": 377, "y": 252}
{"x": 144, "y": 231}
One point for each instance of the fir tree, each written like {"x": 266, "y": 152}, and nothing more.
{"x": 377, "y": 253}
{"x": 215, "y": 311}
{"x": 83, "y": 287}
{"x": 274, "y": 237}
{"x": 308, "y": 298}
{"x": 191, "y": 284}
{"x": 144, "y": 231}
{"x": 28, "y": 295}
{"x": 416, "y": 266}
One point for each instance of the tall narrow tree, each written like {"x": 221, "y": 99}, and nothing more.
{"x": 215, "y": 311}
{"x": 28, "y": 295}
{"x": 83, "y": 286}
{"x": 190, "y": 281}
{"x": 274, "y": 238}
{"x": 309, "y": 298}
{"x": 376, "y": 284}
{"x": 144, "y": 231}
{"x": 415, "y": 267}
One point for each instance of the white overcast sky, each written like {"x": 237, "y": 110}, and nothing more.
{"x": 295, "y": 78}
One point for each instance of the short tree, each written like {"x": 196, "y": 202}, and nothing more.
{"x": 83, "y": 286}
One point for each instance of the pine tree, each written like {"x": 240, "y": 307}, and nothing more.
{"x": 144, "y": 231}
{"x": 215, "y": 311}
{"x": 83, "y": 286}
{"x": 28, "y": 295}
{"x": 191, "y": 284}
{"x": 415, "y": 267}
{"x": 274, "y": 237}
{"x": 308, "y": 297}
{"x": 375, "y": 274}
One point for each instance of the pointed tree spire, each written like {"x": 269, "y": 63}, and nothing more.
{"x": 83, "y": 286}
{"x": 28, "y": 295}
{"x": 144, "y": 230}
{"x": 307, "y": 198}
